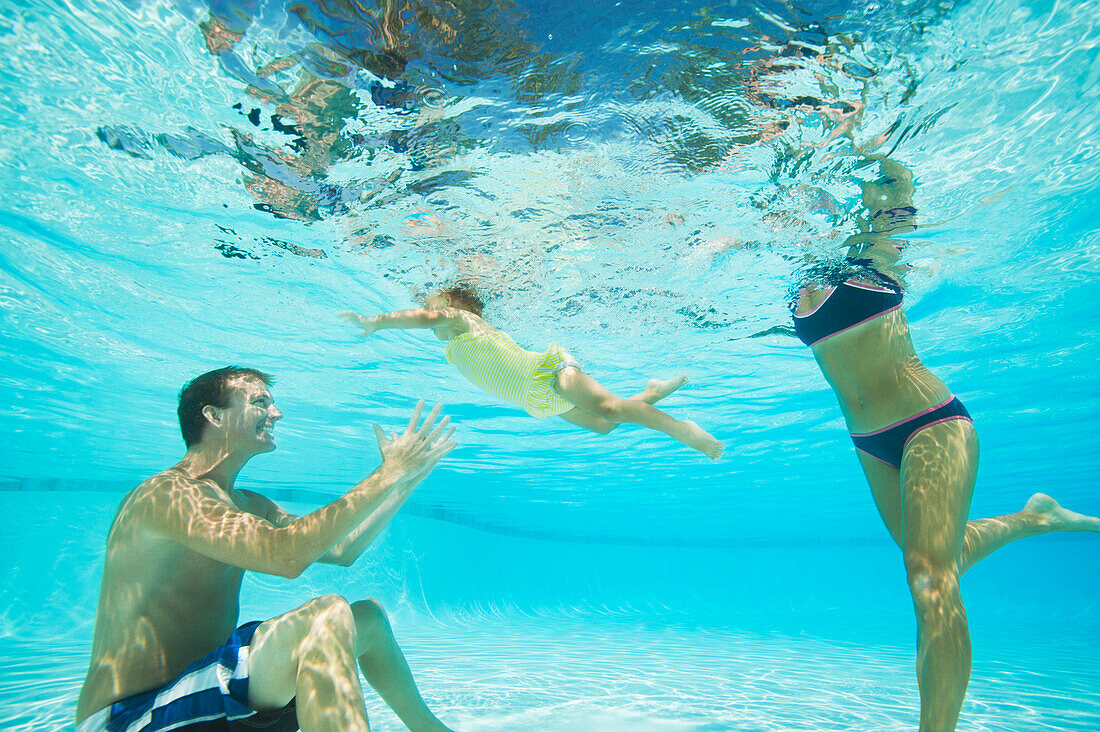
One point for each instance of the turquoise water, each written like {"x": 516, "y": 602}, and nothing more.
{"x": 638, "y": 182}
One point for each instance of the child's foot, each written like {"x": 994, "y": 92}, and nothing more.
{"x": 702, "y": 441}
{"x": 658, "y": 389}
{"x": 1050, "y": 513}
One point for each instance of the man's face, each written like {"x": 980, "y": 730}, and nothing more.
{"x": 249, "y": 420}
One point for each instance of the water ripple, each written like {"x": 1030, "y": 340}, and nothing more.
{"x": 561, "y": 674}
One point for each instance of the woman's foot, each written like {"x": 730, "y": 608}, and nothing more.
{"x": 658, "y": 389}
{"x": 702, "y": 441}
{"x": 1049, "y": 513}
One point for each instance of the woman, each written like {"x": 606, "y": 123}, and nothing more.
{"x": 915, "y": 441}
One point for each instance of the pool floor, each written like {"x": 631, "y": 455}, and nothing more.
{"x": 524, "y": 674}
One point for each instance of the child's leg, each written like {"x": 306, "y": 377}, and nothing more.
{"x": 583, "y": 391}
{"x": 655, "y": 391}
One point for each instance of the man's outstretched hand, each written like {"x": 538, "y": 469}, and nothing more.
{"x": 412, "y": 454}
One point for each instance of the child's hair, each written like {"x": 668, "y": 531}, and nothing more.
{"x": 464, "y": 297}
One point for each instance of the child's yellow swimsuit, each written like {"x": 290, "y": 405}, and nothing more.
{"x": 495, "y": 363}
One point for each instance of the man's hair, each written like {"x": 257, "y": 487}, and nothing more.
{"x": 464, "y": 297}
{"x": 214, "y": 388}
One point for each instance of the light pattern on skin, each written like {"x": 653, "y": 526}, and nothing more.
{"x": 182, "y": 540}
{"x": 880, "y": 382}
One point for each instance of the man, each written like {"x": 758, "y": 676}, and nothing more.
{"x": 177, "y": 552}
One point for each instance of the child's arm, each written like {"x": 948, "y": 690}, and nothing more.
{"x": 405, "y": 319}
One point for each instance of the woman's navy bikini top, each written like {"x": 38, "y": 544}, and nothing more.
{"x": 850, "y": 302}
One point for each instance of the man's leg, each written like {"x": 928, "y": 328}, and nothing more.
{"x": 386, "y": 670}
{"x": 309, "y": 654}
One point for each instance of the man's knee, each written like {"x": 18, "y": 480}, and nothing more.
{"x": 370, "y": 621}
{"x": 317, "y": 627}
{"x": 369, "y": 614}
{"x": 330, "y": 614}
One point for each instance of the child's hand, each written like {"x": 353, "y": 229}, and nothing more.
{"x": 367, "y": 324}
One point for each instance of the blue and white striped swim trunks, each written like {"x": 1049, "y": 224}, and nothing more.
{"x": 210, "y": 695}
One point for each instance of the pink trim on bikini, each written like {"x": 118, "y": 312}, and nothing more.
{"x": 817, "y": 307}
{"x": 867, "y": 286}
{"x": 876, "y": 457}
{"x": 853, "y": 325}
{"x": 910, "y": 418}
{"x": 850, "y": 283}
{"x": 923, "y": 427}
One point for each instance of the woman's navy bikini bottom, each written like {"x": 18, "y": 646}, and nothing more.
{"x": 888, "y": 444}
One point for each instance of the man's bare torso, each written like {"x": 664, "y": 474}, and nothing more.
{"x": 161, "y": 605}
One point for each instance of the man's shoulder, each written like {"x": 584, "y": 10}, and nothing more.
{"x": 257, "y": 504}
{"x": 172, "y": 481}
{"x": 161, "y": 502}
{"x": 166, "y": 488}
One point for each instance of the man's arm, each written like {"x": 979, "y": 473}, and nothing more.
{"x": 348, "y": 549}
{"x": 191, "y": 513}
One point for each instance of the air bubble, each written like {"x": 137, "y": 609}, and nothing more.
{"x": 433, "y": 98}
{"x": 577, "y": 132}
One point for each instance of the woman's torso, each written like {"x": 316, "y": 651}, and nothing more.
{"x": 851, "y": 317}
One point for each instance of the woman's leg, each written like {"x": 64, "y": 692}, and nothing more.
{"x": 885, "y": 483}
{"x": 928, "y": 529}
{"x": 583, "y": 391}
{"x": 655, "y": 391}
{"x": 1041, "y": 515}
{"x": 938, "y": 471}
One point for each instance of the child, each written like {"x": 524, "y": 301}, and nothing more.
{"x": 545, "y": 384}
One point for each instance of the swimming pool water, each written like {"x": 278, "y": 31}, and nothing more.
{"x": 613, "y": 176}
{"x": 528, "y": 675}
